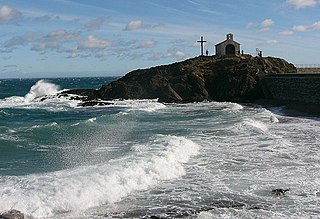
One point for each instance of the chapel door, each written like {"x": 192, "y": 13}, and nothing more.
{"x": 230, "y": 49}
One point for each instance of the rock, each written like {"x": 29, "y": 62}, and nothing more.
{"x": 12, "y": 214}
{"x": 279, "y": 192}
{"x": 95, "y": 103}
{"x": 213, "y": 78}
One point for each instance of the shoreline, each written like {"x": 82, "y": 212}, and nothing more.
{"x": 291, "y": 108}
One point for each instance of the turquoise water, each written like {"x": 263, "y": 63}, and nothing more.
{"x": 141, "y": 158}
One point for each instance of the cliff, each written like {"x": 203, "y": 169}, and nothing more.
{"x": 212, "y": 78}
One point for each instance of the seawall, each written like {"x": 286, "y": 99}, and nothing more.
{"x": 309, "y": 70}
{"x": 299, "y": 88}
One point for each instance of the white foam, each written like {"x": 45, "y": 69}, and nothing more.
{"x": 76, "y": 190}
{"x": 147, "y": 105}
{"x": 41, "y": 88}
{"x": 32, "y": 99}
{"x": 47, "y": 125}
{"x": 274, "y": 119}
{"x": 256, "y": 124}
{"x": 92, "y": 120}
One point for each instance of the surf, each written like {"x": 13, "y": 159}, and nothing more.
{"x": 75, "y": 190}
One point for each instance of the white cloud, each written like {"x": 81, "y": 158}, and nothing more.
{"x": 133, "y": 25}
{"x": 300, "y": 28}
{"x": 92, "y": 42}
{"x": 9, "y": 15}
{"x": 265, "y": 26}
{"x": 298, "y": 4}
{"x": 286, "y": 32}
{"x": 267, "y": 23}
{"x": 304, "y": 28}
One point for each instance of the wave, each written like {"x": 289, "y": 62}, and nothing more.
{"x": 40, "y": 89}
{"x": 41, "y": 95}
{"x": 73, "y": 191}
{"x": 147, "y": 105}
{"x": 255, "y": 124}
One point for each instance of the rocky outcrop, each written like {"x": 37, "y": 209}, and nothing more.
{"x": 212, "y": 78}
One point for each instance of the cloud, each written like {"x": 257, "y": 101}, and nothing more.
{"x": 20, "y": 41}
{"x": 265, "y": 26}
{"x": 46, "y": 18}
{"x": 170, "y": 53}
{"x": 286, "y": 32}
{"x": 58, "y": 37}
{"x": 298, "y": 4}
{"x": 61, "y": 41}
{"x": 268, "y": 43}
{"x": 133, "y": 25}
{"x": 9, "y": 15}
{"x": 94, "y": 24}
{"x": 264, "y": 30}
{"x": 267, "y": 23}
{"x": 304, "y": 28}
{"x": 92, "y": 42}
{"x": 39, "y": 47}
{"x": 53, "y": 40}
{"x": 147, "y": 44}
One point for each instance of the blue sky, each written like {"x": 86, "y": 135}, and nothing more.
{"x": 56, "y": 38}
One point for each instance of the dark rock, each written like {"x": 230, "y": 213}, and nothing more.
{"x": 95, "y": 103}
{"x": 12, "y": 214}
{"x": 279, "y": 192}
{"x": 212, "y": 78}
{"x": 81, "y": 94}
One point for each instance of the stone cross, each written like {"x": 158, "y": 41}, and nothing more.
{"x": 201, "y": 44}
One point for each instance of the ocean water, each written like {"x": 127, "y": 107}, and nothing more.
{"x": 144, "y": 159}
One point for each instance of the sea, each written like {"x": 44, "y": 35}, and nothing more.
{"x": 146, "y": 159}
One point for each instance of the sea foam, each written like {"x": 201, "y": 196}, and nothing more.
{"x": 73, "y": 191}
{"x": 41, "y": 88}
{"x": 33, "y": 98}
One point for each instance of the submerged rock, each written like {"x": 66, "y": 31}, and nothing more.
{"x": 213, "y": 78}
{"x": 279, "y": 192}
{"x": 12, "y": 214}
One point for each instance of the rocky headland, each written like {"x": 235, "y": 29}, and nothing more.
{"x": 212, "y": 78}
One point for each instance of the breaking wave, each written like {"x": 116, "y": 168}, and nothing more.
{"x": 41, "y": 88}
{"x": 76, "y": 190}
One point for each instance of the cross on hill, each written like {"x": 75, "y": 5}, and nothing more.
{"x": 201, "y": 44}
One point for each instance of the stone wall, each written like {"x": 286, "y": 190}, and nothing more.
{"x": 302, "y": 88}
{"x": 309, "y": 70}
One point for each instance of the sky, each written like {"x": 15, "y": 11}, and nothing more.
{"x": 70, "y": 38}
